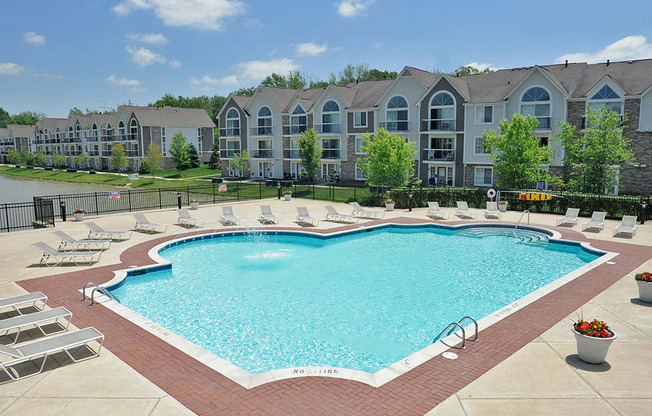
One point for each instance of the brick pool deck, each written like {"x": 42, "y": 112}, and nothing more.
{"x": 206, "y": 392}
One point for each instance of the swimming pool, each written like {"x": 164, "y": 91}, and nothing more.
{"x": 361, "y": 300}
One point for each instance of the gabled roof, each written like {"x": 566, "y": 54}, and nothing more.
{"x": 84, "y": 120}
{"x": 546, "y": 73}
{"x": 426, "y": 78}
{"x": 280, "y": 97}
{"x": 168, "y": 116}
{"x": 3, "y": 132}
{"x": 369, "y": 92}
{"x": 307, "y": 98}
{"x": 50, "y": 124}
{"x": 20, "y": 130}
{"x": 634, "y": 77}
{"x": 102, "y": 120}
{"x": 241, "y": 100}
{"x": 493, "y": 87}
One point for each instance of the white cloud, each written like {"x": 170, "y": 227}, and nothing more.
{"x": 198, "y": 14}
{"x": 52, "y": 76}
{"x": 310, "y": 49}
{"x": 257, "y": 70}
{"x": 149, "y": 38}
{"x": 350, "y": 8}
{"x": 630, "y": 47}
{"x": 483, "y": 66}
{"x": 8, "y": 68}
{"x": 123, "y": 82}
{"x": 144, "y": 57}
{"x": 175, "y": 64}
{"x": 34, "y": 39}
{"x": 206, "y": 80}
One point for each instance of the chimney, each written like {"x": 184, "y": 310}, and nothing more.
{"x": 566, "y": 66}
{"x": 607, "y": 62}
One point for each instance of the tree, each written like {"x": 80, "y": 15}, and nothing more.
{"x": 118, "y": 158}
{"x": 375, "y": 75}
{"x": 40, "y": 158}
{"x": 294, "y": 80}
{"x": 590, "y": 155}
{"x": 469, "y": 70}
{"x": 14, "y": 156}
{"x": 245, "y": 91}
{"x": 27, "y": 118}
{"x": 81, "y": 160}
{"x": 516, "y": 154}
{"x": 75, "y": 110}
{"x": 27, "y": 157}
{"x": 193, "y": 155}
{"x": 389, "y": 160}
{"x": 310, "y": 153}
{"x": 58, "y": 160}
{"x": 240, "y": 162}
{"x": 214, "y": 162}
{"x": 179, "y": 152}
{"x": 5, "y": 118}
{"x": 152, "y": 161}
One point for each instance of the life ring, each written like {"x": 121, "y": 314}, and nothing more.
{"x": 491, "y": 193}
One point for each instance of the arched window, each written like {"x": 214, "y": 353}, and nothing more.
{"x": 330, "y": 117}
{"x": 232, "y": 123}
{"x": 133, "y": 129}
{"x": 94, "y": 131}
{"x": 298, "y": 120}
{"x": 78, "y": 132}
{"x": 608, "y": 98}
{"x": 264, "y": 121}
{"x": 397, "y": 114}
{"x": 70, "y": 132}
{"x": 121, "y": 130}
{"x": 536, "y": 102}
{"x": 58, "y": 136}
{"x": 442, "y": 112}
{"x": 109, "y": 131}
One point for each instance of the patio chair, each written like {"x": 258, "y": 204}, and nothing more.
{"x": 48, "y": 346}
{"x": 35, "y": 319}
{"x": 435, "y": 212}
{"x": 627, "y": 226}
{"x": 142, "y": 223}
{"x": 266, "y": 216}
{"x": 596, "y": 221}
{"x": 14, "y": 302}
{"x": 61, "y": 257}
{"x": 69, "y": 243}
{"x": 228, "y": 217}
{"x": 570, "y": 217}
{"x": 364, "y": 213}
{"x": 187, "y": 220}
{"x": 303, "y": 217}
{"x": 492, "y": 210}
{"x": 333, "y": 215}
{"x": 97, "y": 232}
{"x": 464, "y": 211}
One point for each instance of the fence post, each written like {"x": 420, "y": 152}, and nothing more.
{"x": 213, "y": 191}
{"x": 160, "y": 201}
{"x": 355, "y": 193}
{"x": 313, "y": 191}
{"x": 333, "y": 193}
{"x": 237, "y": 187}
{"x": 260, "y": 190}
{"x": 129, "y": 198}
{"x": 7, "y": 216}
{"x": 187, "y": 195}
{"x": 97, "y": 206}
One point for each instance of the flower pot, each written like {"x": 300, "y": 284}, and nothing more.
{"x": 389, "y": 207}
{"x": 502, "y": 208}
{"x": 591, "y": 349}
{"x": 644, "y": 291}
{"x": 287, "y": 197}
{"x": 79, "y": 217}
{"x": 194, "y": 205}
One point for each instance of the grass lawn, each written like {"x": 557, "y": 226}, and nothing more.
{"x": 203, "y": 170}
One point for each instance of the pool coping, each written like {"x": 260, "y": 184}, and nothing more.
{"x": 377, "y": 379}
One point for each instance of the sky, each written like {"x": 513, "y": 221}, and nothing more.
{"x": 56, "y": 55}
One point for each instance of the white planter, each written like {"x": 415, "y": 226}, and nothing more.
{"x": 194, "y": 205}
{"x": 593, "y": 350}
{"x": 644, "y": 291}
{"x": 79, "y": 217}
{"x": 502, "y": 208}
{"x": 390, "y": 207}
{"x": 287, "y": 197}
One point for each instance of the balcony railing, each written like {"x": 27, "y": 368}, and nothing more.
{"x": 262, "y": 153}
{"x": 228, "y": 153}
{"x": 94, "y": 153}
{"x": 330, "y": 153}
{"x": 291, "y": 154}
{"x": 329, "y": 128}
{"x": 438, "y": 125}
{"x": 119, "y": 137}
{"x": 262, "y": 131}
{"x": 294, "y": 129}
{"x": 132, "y": 153}
{"x": 447, "y": 155}
{"x": 92, "y": 138}
{"x": 394, "y": 125}
{"x": 230, "y": 132}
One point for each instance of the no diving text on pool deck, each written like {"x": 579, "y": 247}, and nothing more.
{"x": 313, "y": 370}
{"x": 534, "y": 196}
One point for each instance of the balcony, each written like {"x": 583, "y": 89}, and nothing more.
{"x": 92, "y": 138}
{"x": 330, "y": 154}
{"x": 229, "y": 153}
{"x": 294, "y": 129}
{"x": 395, "y": 126}
{"x": 94, "y": 153}
{"x": 442, "y": 155}
{"x": 132, "y": 153}
{"x": 329, "y": 128}
{"x": 66, "y": 140}
{"x": 438, "y": 124}
{"x": 262, "y": 131}
{"x": 291, "y": 154}
{"x": 262, "y": 153}
{"x": 230, "y": 132}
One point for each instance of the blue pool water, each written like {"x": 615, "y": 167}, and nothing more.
{"x": 361, "y": 301}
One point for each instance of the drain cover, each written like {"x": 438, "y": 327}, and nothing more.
{"x": 449, "y": 355}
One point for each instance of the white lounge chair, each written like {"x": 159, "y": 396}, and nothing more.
{"x": 228, "y": 217}
{"x": 570, "y": 217}
{"x": 188, "y": 220}
{"x": 365, "y": 213}
{"x": 48, "y": 346}
{"x": 97, "y": 232}
{"x": 627, "y": 226}
{"x": 69, "y": 243}
{"x": 266, "y": 216}
{"x": 35, "y": 319}
{"x": 333, "y": 215}
{"x": 142, "y": 223}
{"x": 492, "y": 210}
{"x": 21, "y": 301}
{"x": 303, "y": 217}
{"x": 61, "y": 257}
{"x": 435, "y": 212}
{"x": 596, "y": 221}
{"x": 464, "y": 211}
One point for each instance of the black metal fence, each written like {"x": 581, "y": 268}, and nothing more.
{"x": 26, "y": 215}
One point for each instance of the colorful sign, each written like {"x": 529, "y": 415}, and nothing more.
{"x": 534, "y": 196}
{"x": 114, "y": 195}
{"x": 221, "y": 187}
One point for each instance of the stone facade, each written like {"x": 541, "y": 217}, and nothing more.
{"x": 636, "y": 180}
{"x": 348, "y": 166}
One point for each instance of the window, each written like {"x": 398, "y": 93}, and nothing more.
{"x": 483, "y": 176}
{"x": 536, "y": 102}
{"x": 608, "y": 98}
{"x": 109, "y": 131}
{"x": 264, "y": 121}
{"x": 93, "y": 132}
{"x": 397, "y": 114}
{"x": 121, "y": 129}
{"x": 133, "y": 129}
{"x": 232, "y": 123}
{"x": 330, "y": 117}
{"x": 480, "y": 147}
{"x": 232, "y": 147}
{"x": 298, "y": 120}
{"x": 484, "y": 114}
{"x": 359, "y": 174}
{"x": 442, "y": 112}
{"x": 543, "y": 141}
{"x": 360, "y": 119}
{"x": 163, "y": 149}
{"x": 359, "y": 142}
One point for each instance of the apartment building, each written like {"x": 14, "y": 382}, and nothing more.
{"x": 15, "y": 136}
{"x": 444, "y": 115}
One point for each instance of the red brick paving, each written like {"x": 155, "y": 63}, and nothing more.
{"x": 206, "y": 392}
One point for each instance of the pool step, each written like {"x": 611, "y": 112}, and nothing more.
{"x": 522, "y": 235}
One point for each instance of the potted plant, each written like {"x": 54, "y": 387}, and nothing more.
{"x": 644, "y": 281}
{"x": 389, "y": 204}
{"x": 593, "y": 340}
{"x": 502, "y": 206}
{"x": 79, "y": 214}
{"x": 288, "y": 195}
{"x": 194, "y": 204}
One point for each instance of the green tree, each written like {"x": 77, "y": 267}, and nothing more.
{"x": 40, "y": 158}
{"x": 5, "y": 118}
{"x": 389, "y": 160}
{"x": 375, "y": 75}
{"x": 58, "y": 160}
{"x": 294, "y": 80}
{"x": 75, "y": 110}
{"x": 81, "y": 160}
{"x": 469, "y": 70}
{"x": 14, "y": 156}
{"x": 516, "y": 154}
{"x": 214, "y": 162}
{"x": 118, "y": 158}
{"x": 590, "y": 155}
{"x": 179, "y": 152}
{"x": 27, "y": 118}
{"x": 193, "y": 155}
{"x": 245, "y": 91}
{"x": 240, "y": 162}
{"x": 27, "y": 157}
{"x": 152, "y": 161}
{"x": 310, "y": 153}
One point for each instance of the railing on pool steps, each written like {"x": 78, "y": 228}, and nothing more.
{"x": 100, "y": 289}
{"x": 519, "y": 223}
{"x": 458, "y": 324}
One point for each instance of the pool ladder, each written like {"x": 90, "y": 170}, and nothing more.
{"x": 527, "y": 211}
{"x": 100, "y": 289}
{"x": 458, "y": 324}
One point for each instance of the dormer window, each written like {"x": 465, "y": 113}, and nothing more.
{"x": 608, "y": 98}
{"x": 330, "y": 117}
{"x": 264, "y": 121}
{"x": 397, "y": 114}
{"x": 232, "y": 123}
{"x": 536, "y": 103}
{"x": 298, "y": 120}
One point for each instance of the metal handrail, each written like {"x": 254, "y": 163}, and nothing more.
{"x": 475, "y": 337}
{"x": 528, "y": 218}
{"x": 84, "y": 290}
{"x": 105, "y": 292}
{"x": 446, "y": 329}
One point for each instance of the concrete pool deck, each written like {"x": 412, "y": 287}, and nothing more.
{"x": 539, "y": 375}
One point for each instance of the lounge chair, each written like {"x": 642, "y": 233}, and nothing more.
{"x": 48, "y": 346}
{"x": 435, "y": 212}
{"x": 627, "y": 226}
{"x": 97, "y": 232}
{"x": 492, "y": 210}
{"x": 188, "y": 220}
{"x": 69, "y": 243}
{"x": 333, "y": 215}
{"x": 266, "y": 216}
{"x": 464, "y": 211}
{"x": 142, "y": 223}
{"x": 570, "y": 217}
{"x": 364, "y": 213}
{"x": 61, "y": 257}
{"x": 228, "y": 217}
{"x": 35, "y": 319}
{"x": 596, "y": 221}
{"x": 303, "y": 217}
{"x": 15, "y": 302}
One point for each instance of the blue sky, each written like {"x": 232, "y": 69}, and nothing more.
{"x": 59, "y": 54}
